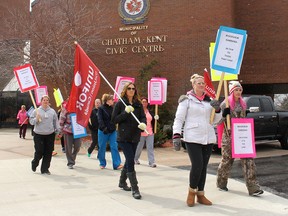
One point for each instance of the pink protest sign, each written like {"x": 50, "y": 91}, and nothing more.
{"x": 155, "y": 92}
{"x": 243, "y": 138}
{"x": 120, "y": 82}
{"x": 26, "y": 77}
{"x": 39, "y": 93}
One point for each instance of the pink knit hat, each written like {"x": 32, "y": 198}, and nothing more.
{"x": 233, "y": 85}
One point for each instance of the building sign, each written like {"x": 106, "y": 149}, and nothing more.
{"x": 133, "y": 11}
{"x": 148, "y": 44}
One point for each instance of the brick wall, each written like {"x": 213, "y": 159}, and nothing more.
{"x": 190, "y": 26}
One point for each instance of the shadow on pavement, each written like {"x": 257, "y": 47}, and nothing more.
{"x": 272, "y": 173}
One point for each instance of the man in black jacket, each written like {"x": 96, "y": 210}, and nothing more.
{"x": 93, "y": 126}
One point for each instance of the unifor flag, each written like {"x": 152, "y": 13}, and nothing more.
{"x": 209, "y": 88}
{"x": 85, "y": 87}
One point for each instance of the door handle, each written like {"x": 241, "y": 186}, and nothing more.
{"x": 261, "y": 117}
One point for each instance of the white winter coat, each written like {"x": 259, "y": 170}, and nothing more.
{"x": 195, "y": 115}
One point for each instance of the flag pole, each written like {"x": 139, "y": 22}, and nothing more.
{"x": 120, "y": 98}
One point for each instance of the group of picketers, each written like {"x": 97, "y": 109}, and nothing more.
{"x": 135, "y": 122}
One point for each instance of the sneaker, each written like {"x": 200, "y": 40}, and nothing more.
{"x": 63, "y": 150}
{"x": 46, "y": 172}
{"x": 223, "y": 188}
{"x": 153, "y": 165}
{"x": 88, "y": 154}
{"x": 257, "y": 193}
{"x": 137, "y": 162}
{"x": 102, "y": 167}
{"x": 119, "y": 167}
{"x": 70, "y": 166}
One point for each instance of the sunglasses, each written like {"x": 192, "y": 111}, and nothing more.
{"x": 129, "y": 88}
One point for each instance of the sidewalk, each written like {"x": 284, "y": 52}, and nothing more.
{"x": 87, "y": 190}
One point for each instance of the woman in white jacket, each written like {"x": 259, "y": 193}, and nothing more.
{"x": 194, "y": 112}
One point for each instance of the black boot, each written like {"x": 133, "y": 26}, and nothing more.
{"x": 122, "y": 180}
{"x": 134, "y": 184}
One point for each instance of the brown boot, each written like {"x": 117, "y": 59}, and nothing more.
{"x": 191, "y": 197}
{"x": 202, "y": 199}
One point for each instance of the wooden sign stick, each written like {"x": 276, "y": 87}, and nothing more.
{"x": 227, "y": 104}
{"x": 156, "y": 113}
{"x": 34, "y": 104}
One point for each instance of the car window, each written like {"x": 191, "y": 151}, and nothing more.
{"x": 267, "y": 105}
{"x": 254, "y": 102}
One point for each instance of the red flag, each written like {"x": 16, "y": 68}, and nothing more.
{"x": 85, "y": 87}
{"x": 209, "y": 86}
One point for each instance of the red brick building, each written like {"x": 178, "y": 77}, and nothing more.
{"x": 189, "y": 26}
{"x": 177, "y": 35}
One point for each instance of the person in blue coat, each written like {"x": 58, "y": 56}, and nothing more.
{"x": 107, "y": 132}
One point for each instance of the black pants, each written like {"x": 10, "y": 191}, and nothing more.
{"x": 44, "y": 145}
{"x": 129, "y": 150}
{"x": 199, "y": 156}
{"x": 94, "y": 134}
{"x": 22, "y": 130}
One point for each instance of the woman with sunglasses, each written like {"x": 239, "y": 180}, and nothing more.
{"x": 129, "y": 132}
{"x": 194, "y": 112}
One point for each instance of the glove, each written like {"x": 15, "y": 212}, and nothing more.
{"x": 129, "y": 109}
{"x": 215, "y": 104}
{"x": 177, "y": 142}
{"x": 142, "y": 126}
{"x": 156, "y": 117}
{"x": 226, "y": 112}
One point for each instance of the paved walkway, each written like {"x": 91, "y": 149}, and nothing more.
{"x": 87, "y": 190}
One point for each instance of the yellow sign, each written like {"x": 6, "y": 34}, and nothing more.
{"x": 215, "y": 75}
{"x": 58, "y": 97}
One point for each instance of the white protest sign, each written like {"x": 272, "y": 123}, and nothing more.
{"x": 77, "y": 129}
{"x": 229, "y": 50}
{"x": 39, "y": 93}
{"x": 163, "y": 90}
{"x": 26, "y": 77}
{"x": 243, "y": 140}
{"x": 120, "y": 83}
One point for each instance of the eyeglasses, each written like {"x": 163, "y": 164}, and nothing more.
{"x": 129, "y": 88}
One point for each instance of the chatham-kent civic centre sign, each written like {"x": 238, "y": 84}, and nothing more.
{"x": 134, "y": 12}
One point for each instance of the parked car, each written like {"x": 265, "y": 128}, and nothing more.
{"x": 269, "y": 123}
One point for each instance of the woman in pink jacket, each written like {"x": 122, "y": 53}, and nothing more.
{"x": 22, "y": 121}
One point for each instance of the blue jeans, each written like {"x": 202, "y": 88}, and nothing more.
{"x": 102, "y": 141}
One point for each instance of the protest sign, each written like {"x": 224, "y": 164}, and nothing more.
{"x": 243, "y": 139}
{"x": 26, "y": 77}
{"x": 39, "y": 93}
{"x": 78, "y": 130}
{"x": 120, "y": 82}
